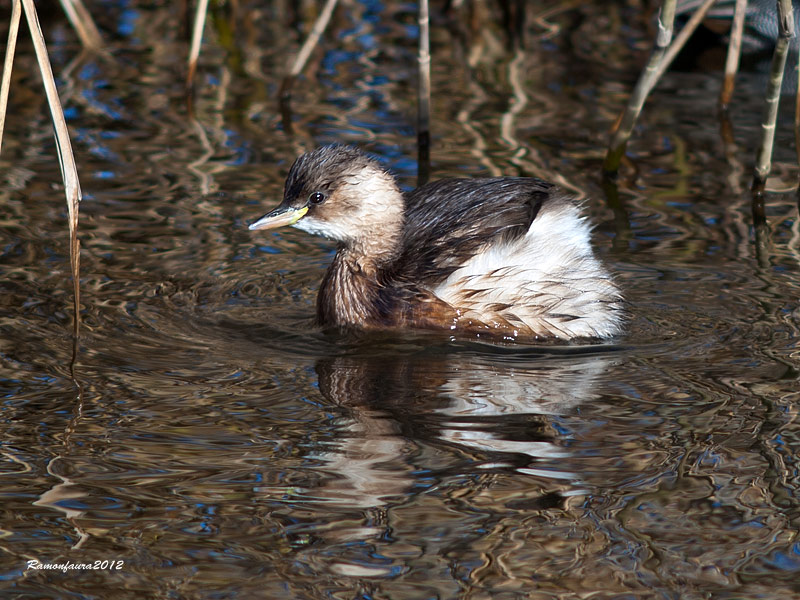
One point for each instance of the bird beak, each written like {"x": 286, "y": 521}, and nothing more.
{"x": 283, "y": 215}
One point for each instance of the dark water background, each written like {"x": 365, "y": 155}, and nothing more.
{"x": 223, "y": 447}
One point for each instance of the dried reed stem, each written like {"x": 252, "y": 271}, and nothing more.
{"x": 680, "y": 40}
{"x": 772, "y": 99}
{"x": 311, "y": 41}
{"x": 285, "y": 93}
{"x": 69, "y": 171}
{"x": 197, "y": 40}
{"x": 81, "y": 20}
{"x": 734, "y": 53}
{"x": 622, "y": 134}
{"x": 313, "y": 38}
{"x": 11, "y": 46}
{"x": 424, "y": 97}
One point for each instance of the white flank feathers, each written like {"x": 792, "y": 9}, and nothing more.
{"x": 548, "y": 281}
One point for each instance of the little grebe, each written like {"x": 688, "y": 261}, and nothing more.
{"x": 506, "y": 256}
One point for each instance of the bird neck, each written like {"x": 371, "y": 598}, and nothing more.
{"x": 350, "y": 291}
{"x": 371, "y": 253}
{"x": 380, "y": 234}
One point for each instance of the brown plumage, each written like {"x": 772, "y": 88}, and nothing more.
{"x": 506, "y": 256}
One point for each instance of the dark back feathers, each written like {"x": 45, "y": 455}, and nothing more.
{"x": 450, "y": 220}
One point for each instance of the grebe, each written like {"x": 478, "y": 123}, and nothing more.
{"x": 504, "y": 256}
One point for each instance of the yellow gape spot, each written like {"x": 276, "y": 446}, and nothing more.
{"x": 299, "y": 213}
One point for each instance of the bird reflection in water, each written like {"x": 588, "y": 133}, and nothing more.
{"x": 478, "y": 413}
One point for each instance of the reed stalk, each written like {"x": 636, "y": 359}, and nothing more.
{"x": 761, "y": 231}
{"x": 82, "y": 22}
{"x": 285, "y": 93}
{"x": 734, "y": 53}
{"x": 772, "y": 100}
{"x": 622, "y": 133}
{"x": 69, "y": 171}
{"x": 197, "y": 40}
{"x": 680, "y": 41}
{"x": 424, "y": 97}
{"x": 11, "y": 46}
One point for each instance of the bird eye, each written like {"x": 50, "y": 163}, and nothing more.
{"x": 316, "y": 198}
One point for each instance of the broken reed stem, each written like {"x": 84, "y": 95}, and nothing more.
{"x": 313, "y": 38}
{"x": 11, "y": 46}
{"x": 734, "y": 53}
{"x": 285, "y": 92}
{"x": 424, "y": 98}
{"x": 764, "y": 154}
{"x": 308, "y": 46}
{"x": 680, "y": 40}
{"x": 197, "y": 40}
{"x": 69, "y": 171}
{"x": 83, "y": 24}
{"x": 622, "y": 134}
